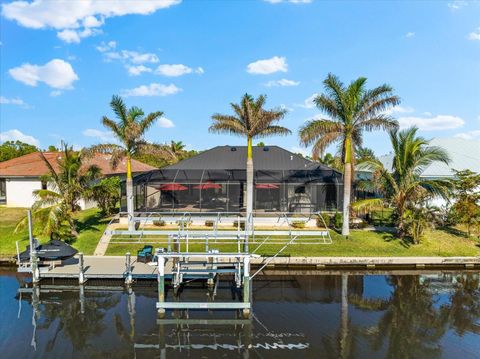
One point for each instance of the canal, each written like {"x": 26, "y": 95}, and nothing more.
{"x": 295, "y": 315}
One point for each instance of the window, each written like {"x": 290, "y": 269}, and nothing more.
{"x": 3, "y": 191}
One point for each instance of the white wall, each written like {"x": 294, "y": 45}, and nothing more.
{"x": 19, "y": 191}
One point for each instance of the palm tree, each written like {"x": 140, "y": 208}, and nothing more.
{"x": 55, "y": 205}
{"x": 250, "y": 120}
{"x": 129, "y": 131}
{"x": 177, "y": 147}
{"x": 350, "y": 110}
{"x": 401, "y": 186}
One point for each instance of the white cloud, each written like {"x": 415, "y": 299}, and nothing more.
{"x": 289, "y": 1}
{"x": 154, "y": 89}
{"x": 474, "y": 36}
{"x": 74, "y": 36}
{"x": 436, "y": 123}
{"x": 137, "y": 70}
{"x": 55, "y": 93}
{"x": 104, "y": 136}
{"x": 303, "y": 151}
{"x": 104, "y": 47}
{"x": 457, "y": 4}
{"x": 77, "y": 16}
{"x": 12, "y": 101}
{"x": 56, "y": 73}
{"x": 409, "y": 34}
{"x": 471, "y": 135}
{"x": 165, "y": 123}
{"x": 308, "y": 103}
{"x": 174, "y": 70}
{"x": 268, "y": 66}
{"x": 14, "y": 135}
{"x": 401, "y": 109}
{"x": 285, "y": 107}
{"x": 282, "y": 82}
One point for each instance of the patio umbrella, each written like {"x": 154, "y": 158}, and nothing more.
{"x": 208, "y": 185}
{"x": 266, "y": 186}
{"x": 173, "y": 187}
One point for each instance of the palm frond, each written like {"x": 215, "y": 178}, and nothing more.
{"x": 118, "y": 106}
{"x": 315, "y": 129}
{"x": 369, "y": 204}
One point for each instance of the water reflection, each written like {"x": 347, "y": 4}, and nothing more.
{"x": 347, "y": 315}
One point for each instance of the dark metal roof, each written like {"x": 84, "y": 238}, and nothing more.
{"x": 228, "y": 163}
{"x": 235, "y": 158}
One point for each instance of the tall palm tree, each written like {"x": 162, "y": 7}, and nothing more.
{"x": 350, "y": 110}
{"x": 66, "y": 185}
{"x": 129, "y": 131}
{"x": 401, "y": 186}
{"x": 250, "y": 120}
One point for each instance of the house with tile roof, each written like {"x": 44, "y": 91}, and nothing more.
{"x": 20, "y": 176}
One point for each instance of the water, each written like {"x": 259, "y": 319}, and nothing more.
{"x": 296, "y": 315}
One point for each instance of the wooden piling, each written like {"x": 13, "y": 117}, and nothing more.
{"x": 81, "y": 270}
{"x": 128, "y": 274}
{"x": 246, "y": 285}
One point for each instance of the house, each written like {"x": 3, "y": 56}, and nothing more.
{"x": 215, "y": 181}
{"x": 20, "y": 176}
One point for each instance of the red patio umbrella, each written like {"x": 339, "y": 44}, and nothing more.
{"x": 266, "y": 186}
{"x": 208, "y": 185}
{"x": 172, "y": 187}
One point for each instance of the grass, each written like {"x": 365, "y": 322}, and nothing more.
{"x": 360, "y": 244}
{"x": 90, "y": 225}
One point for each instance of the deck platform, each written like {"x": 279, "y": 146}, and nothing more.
{"x": 111, "y": 267}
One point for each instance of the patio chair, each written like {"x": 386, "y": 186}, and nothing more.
{"x": 145, "y": 254}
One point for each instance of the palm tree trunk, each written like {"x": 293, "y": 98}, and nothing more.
{"x": 347, "y": 187}
{"x": 131, "y": 224}
{"x": 249, "y": 181}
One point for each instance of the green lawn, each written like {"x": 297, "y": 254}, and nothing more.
{"x": 360, "y": 243}
{"x": 90, "y": 226}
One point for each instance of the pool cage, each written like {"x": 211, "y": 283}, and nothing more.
{"x": 313, "y": 189}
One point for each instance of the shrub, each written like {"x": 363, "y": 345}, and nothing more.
{"x": 209, "y": 223}
{"x": 106, "y": 193}
{"x": 242, "y": 224}
{"x": 326, "y": 219}
{"x": 160, "y": 223}
{"x": 298, "y": 224}
{"x": 337, "y": 220}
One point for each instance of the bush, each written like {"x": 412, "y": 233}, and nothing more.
{"x": 337, "y": 220}
{"x": 160, "y": 223}
{"x": 326, "y": 219}
{"x": 106, "y": 193}
{"x": 209, "y": 223}
{"x": 298, "y": 224}
{"x": 242, "y": 224}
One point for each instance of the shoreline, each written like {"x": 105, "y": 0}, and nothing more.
{"x": 367, "y": 263}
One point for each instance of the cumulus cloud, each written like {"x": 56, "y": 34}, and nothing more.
{"x": 470, "y": 135}
{"x": 154, "y": 89}
{"x": 175, "y": 70}
{"x": 16, "y": 135}
{"x": 107, "y": 46}
{"x": 137, "y": 70}
{"x": 12, "y": 101}
{"x": 104, "y": 136}
{"x": 76, "y": 16}
{"x": 55, "y": 93}
{"x": 282, "y": 82}
{"x": 56, "y": 73}
{"x": 474, "y": 35}
{"x": 268, "y": 66}
{"x": 308, "y": 103}
{"x": 400, "y": 109}
{"x": 165, "y": 123}
{"x": 409, "y": 34}
{"x": 435, "y": 123}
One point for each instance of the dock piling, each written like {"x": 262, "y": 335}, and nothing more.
{"x": 128, "y": 264}
{"x": 81, "y": 270}
{"x": 161, "y": 284}
{"x": 246, "y": 285}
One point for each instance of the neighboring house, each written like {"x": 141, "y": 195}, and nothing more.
{"x": 464, "y": 154}
{"x": 215, "y": 181}
{"x": 20, "y": 176}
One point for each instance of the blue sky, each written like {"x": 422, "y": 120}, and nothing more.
{"x": 62, "y": 61}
